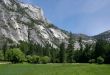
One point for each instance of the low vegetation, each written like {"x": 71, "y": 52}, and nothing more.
{"x": 100, "y": 60}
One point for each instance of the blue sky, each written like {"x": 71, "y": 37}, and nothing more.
{"x": 89, "y": 17}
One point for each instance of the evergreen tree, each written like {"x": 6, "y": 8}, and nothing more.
{"x": 23, "y": 46}
{"x": 47, "y": 50}
{"x": 54, "y": 53}
{"x": 80, "y": 44}
{"x": 62, "y": 53}
{"x": 100, "y": 48}
{"x": 80, "y": 52}
{"x": 70, "y": 50}
{"x": 5, "y": 48}
{"x": 86, "y": 54}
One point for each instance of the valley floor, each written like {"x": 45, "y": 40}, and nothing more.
{"x": 54, "y": 69}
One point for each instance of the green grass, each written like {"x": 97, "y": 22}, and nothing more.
{"x": 54, "y": 69}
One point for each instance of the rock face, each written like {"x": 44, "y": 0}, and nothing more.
{"x": 105, "y": 35}
{"x": 25, "y": 22}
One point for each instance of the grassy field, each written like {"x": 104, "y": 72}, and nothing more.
{"x": 54, "y": 69}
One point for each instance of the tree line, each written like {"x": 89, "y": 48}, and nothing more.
{"x": 30, "y": 52}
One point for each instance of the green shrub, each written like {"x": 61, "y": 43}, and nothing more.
{"x": 29, "y": 58}
{"x": 45, "y": 60}
{"x": 35, "y": 59}
{"x": 15, "y": 55}
{"x": 100, "y": 60}
{"x": 91, "y": 61}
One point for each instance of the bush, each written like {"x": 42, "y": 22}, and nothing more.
{"x": 91, "y": 61}
{"x": 45, "y": 60}
{"x": 100, "y": 60}
{"x": 29, "y": 59}
{"x": 15, "y": 55}
{"x": 35, "y": 59}
{"x": 1, "y": 56}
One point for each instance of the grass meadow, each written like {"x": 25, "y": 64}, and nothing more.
{"x": 54, "y": 69}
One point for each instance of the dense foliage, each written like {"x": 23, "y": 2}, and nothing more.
{"x": 45, "y": 60}
{"x": 30, "y": 52}
{"x": 100, "y": 60}
{"x": 15, "y": 55}
{"x": 70, "y": 50}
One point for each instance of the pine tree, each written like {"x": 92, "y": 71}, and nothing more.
{"x": 100, "y": 48}
{"x": 62, "y": 53}
{"x": 4, "y": 48}
{"x": 80, "y": 44}
{"x": 70, "y": 50}
{"x": 80, "y": 52}
{"x": 54, "y": 52}
{"x": 47, "y": 50}
{"x": 87, "y": 53}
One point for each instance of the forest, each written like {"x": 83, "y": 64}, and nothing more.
{"x": 30, "y": 52}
